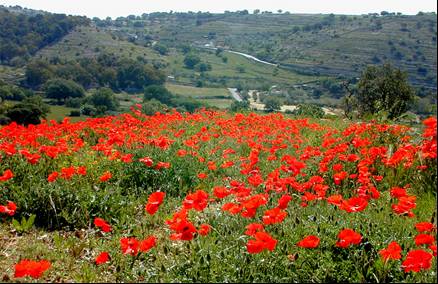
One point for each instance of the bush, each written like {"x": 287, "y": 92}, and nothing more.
{"x": 61, "y": 89}
{"x": 75, "y": 113}
{"x": 309, "y": 110}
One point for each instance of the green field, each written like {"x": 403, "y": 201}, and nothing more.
{"x": 215, "y": 97}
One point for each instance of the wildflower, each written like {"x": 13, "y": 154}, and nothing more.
{"x": 102, "y": 224}
{"x": 424, "y": 239}
{"x": 147, "y": 244}
{"x": 34, "y": 269}
{"x": 9, "y": 209}
{"x": 424, "y": 227}
{"x": 102, "y": 258}
{"x": 309, "y": 242}
{"x": 162, "y": 165}
{"x": 261, "y": 242}
{"x": 253, "y": 228}
{"x": 354, "y": 204}
{"x": 106, "y": 176}
{"x": 129, "y": 246}
{"x": 52, "y": 177}
{"x": 221, "y": 192}
{"x": 7, "y": 175}
{"x": 284, "y": 201}
{"x": 348, "y": 237}
{"x": 274, "y": 216}
{"x": 393, "y": 251}
{"x": 147, "y": 161}
{"x": 417, "y": 260}
{"x": 204, "y": 229}
{"x": 154, "y": 201}
{"x": 197, "y": 200}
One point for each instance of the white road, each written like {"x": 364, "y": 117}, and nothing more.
{"x": 235, "y": 94}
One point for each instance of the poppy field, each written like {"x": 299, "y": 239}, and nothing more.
{"x": 218, "y": 197}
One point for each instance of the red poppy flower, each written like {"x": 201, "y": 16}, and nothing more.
{"x": 184, "y": 230}
{"x": 34, "y": 269}
{"x": 433, "y": 248}
{"x": 102, "y": 258}
{"x": 7, "y": 175}
{"x": 274, "y": 216}
{"x": 154, "y": 201}
{"x": 129, "y": 246}
{"x": 202, "y": 175}
{"x": 52, "y": 177}
{"x": 262, "y": 241}
{"x": 221, "y": 192}
{"x": 348, "y": 237}
{"x": 162, "y": 165}
{"x": 417, "y": 260}
{"x": 424, "y": 239}
{"x": 424, "y": 227}
{"x": 335, "y": 199}
{"x": 197, "y": 200}
{"x": 253, "y": 228}
{"x": 68, "y": 173}
{"x": 127, "y": 158}
{"x": 354, "y": 204}
{"x": 9, "y": 209}
{"x": 106, "y": 176}
{"x": 81, "y": 171}
{"x": 393, "y": 251}
{"x": 147, "y": 161}
{"x": 309, "y": 242}
{"x": 102, "y": 224}
{"x": 284, "y": 201}
{"x": 147, "y": 244}
{"x": 204, "y": 229}
{"x": 397, "y": 192}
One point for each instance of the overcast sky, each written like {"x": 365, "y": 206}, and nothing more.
{"x": 112, "y": 8}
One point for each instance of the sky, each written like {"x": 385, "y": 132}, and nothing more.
{"x": 114, "y": 9}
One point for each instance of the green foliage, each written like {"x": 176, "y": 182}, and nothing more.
{"x": 29, "y": 111}
{"x": 160, "y": 93}
{"x": 37, "y": 73}
{"x": 309, "y": 110}
{"x": 161, "y": 48}
{"x": 22, "y": 35}
{"x": 272, "y": 104}
{"x": 191, "y": 59}
{"x": 103, "y": 98}
{"x": 61, "y": 89}
{"x": 384, "y": 88}
{"x": 132, "y": 75}
{"x": 239, "y": 106}
{"x": 25, "y": 225}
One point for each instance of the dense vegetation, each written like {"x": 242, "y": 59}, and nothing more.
{"x": 313, "y": 44}
{"x": 22, "y": 36}
{"x": 218, "y": 197}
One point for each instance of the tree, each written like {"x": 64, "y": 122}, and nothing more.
{"x": 29, "y": 111}
{"x": 160, "y": 93}
{"x": 37, "y": 73}
{"x": 272, "y": 104}
{"x": 61, "y": 89}
{"x": 384, "y": 88}
{"x": 309, "y": 110}
{"x": 190, "y": 60}
{"x": 104, "y": 98}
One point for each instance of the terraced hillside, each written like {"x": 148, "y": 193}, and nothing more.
{"x": 313, "y": 44}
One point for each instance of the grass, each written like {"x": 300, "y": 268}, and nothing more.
{"x": 58, "y": 113}
{"x": 214, "y": 97}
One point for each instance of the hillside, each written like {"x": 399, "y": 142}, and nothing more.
{"x": 314, "y": 44}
